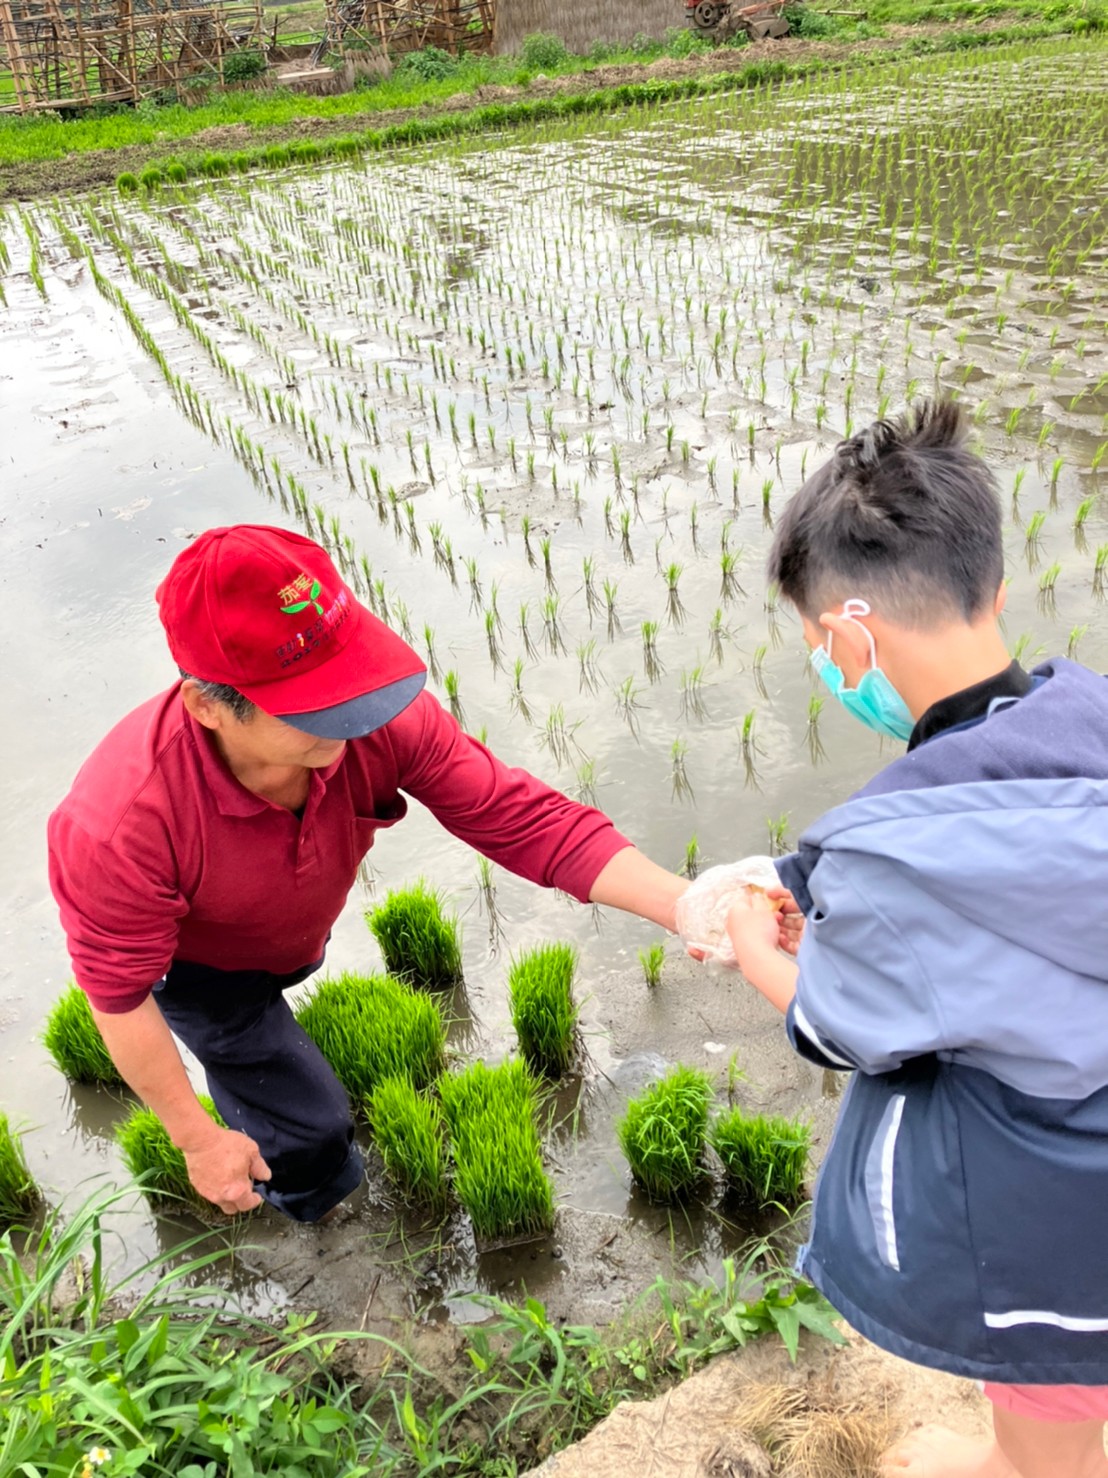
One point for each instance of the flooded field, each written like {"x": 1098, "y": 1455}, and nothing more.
{"x": 543, "y": 398}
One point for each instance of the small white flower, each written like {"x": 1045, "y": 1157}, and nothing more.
{"x": 98, "y": 1456}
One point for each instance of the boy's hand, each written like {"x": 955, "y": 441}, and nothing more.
{"x": 754, "y": 928}
{"x": 790, "y": 919}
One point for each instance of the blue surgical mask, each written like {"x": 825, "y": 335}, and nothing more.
{"x": 874, "y": 702}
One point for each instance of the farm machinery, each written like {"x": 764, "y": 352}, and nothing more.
{"x": 719, "y": 19}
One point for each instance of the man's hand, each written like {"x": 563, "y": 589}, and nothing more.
{"x": 223, "y": 1168}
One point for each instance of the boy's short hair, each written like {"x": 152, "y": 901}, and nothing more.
{"x": 903, "y": 515}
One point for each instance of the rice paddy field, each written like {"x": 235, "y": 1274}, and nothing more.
{"x": 543, "y": 396}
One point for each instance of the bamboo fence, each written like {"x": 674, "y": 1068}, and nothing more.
{"x": 580, "y": 23}
{"x": 73, "y": 53}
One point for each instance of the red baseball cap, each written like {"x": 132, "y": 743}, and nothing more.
{"x": 265, "y": 611}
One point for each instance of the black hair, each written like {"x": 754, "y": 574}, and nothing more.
{"x": 240, "y": 705}
{"x": 903, "y": 515}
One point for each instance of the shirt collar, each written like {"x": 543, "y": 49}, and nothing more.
{"x": 231, "y": 797}
{"x": 970, "y": 703}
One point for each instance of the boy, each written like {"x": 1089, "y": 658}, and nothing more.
{"x": 955, "y": 953}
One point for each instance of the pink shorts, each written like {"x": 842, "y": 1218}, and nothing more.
{"x": 1052, "y": 1403}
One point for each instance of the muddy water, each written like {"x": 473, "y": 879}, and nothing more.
{"x": 657, "y": 327}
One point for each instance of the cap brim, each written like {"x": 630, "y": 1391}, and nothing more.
{"x": 359, "y": 716}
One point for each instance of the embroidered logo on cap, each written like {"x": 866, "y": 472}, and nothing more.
{"x": 295, "y": 589}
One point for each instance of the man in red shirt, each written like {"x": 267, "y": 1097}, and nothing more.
{"x": 208, "y": 845}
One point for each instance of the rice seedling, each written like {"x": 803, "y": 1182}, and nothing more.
{"x": 1100, "y": 566}
{"x": 681, "y": 788}
{"x": 74, "y": 1042}
{"x": 419, "y": 941}
{"x": 498, "y": 1173}
{"x": 152, "y": 1157}
{"x": 540, "y": 991}
{"x": 675, "y": 611}
{"x": 611, "y": 590}
{"x": 1076, "y": 633}
{"x": 729, "y": 584}
{"x": 1032, "y": 539}
{"x": 588, "y": 673}
{"x": 691, "y": 864}
{"x": 557, "y": 735}
{"x": 1047, "y": 581}
{"x": 765, "y": 1160}
{"x": 450, "y": 684}
{"x": 692, "y": 694}
{"x": 410, "y": 1134}
{"x": 627, "y": 704}
{"x": 652, "y": 665}
{"x": 663, "y": 1134}
{"x": 778, "y": 835}
{"x": 19, "y": 1195}
{"x": 749, "y": 747}
{"x": 815, "y": 743}
{"x": 372, "y": 1027}
{"x": 551, "y": 625}
{"x": 1081, "y": 517}
{"x": 652, "y": 961}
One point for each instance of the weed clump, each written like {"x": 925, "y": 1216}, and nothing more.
{"x": 150, "y": 1155}
{"x": 540, "y": 987}
{"x": 409, "y": 1132}
{"x": 74, "y": 1042}
{"x": 541, "y": 52}
{"x": 764, "y": 1159}
{"x": 419, "y": 942}
{"x": 663, "y": 1134}
{"x": 370, "y": 1028}
{"x": 491, "y": 1114}
{"x": 18, "y": 1193}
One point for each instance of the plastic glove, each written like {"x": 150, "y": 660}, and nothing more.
{"x": 701, "y": 914}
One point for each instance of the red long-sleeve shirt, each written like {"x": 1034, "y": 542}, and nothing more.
{"x": 158, "y": 853}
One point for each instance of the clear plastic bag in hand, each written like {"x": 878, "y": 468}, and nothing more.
{"x": 702, "y": 911}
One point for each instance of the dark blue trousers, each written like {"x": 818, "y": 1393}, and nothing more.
{"x": 269, "y": 1080}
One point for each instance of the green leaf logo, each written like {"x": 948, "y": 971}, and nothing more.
{"x": 299, "y": 605}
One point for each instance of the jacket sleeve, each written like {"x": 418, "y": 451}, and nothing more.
{"x": 507, "y": 814}
{"x": 863, "y": 996}
{"x": 120, "y": 908}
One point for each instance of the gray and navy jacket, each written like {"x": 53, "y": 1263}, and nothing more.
{"x": 956, "y": 955}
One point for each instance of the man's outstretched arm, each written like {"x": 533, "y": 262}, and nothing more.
{"x": 630, "y": 881}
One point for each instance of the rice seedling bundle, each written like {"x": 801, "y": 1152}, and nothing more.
{"x": 419, "y": 942}
{"x": 150, "y": 1154}
{"x": 410, "y": 1133}
{"x": 498, "y": 1172}
{"x": 764, "y": 1159}
{"x": 540, "y": 988}
{"x": 18, "y": 1193}
{"x": 663, "y": 1134}
{"x": 72, "y": 1039}
{"x": 370, "y": 1028}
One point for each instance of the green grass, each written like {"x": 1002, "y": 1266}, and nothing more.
{"x": 163, "y": 1369}
{"x": 765, "y": 1160}
{"x": 370, "y": 1028}
{"x": 540, "y": 988}
{"x": 39, "y": 138}
{"x": 409, "y": 1132}
{"x": 74, "y": 1042}
{"x": 498, "y": 1173}
{"x": 150, "y": 1154}
{"x": 419, "y": 942}
{"x": 663, "y": 1134}
{"x": 18, "y": 1193}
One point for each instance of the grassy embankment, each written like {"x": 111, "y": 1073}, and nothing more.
{"x": 427, "y": 96}
{"x": 156, "y": 1374}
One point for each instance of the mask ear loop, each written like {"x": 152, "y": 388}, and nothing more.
{"x": 852, "y": 609}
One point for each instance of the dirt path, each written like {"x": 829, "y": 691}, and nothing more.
{"x": 833, "y": 1413}
{"x": 79, "y": 171}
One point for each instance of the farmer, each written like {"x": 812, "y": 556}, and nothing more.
{"x": 961, "y": 1215}
{"x": 209, "y": 843}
